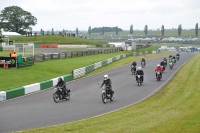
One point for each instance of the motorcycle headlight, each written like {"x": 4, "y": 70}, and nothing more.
{"x": 55, "y": 89}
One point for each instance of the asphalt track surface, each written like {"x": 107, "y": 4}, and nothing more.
{"x": 39, "y": 109}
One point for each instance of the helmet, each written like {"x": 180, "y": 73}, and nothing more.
{"x": 139, "y": 68}
{"x": 105, "y": 77}
{"x": 158, "y": 65}
{"x": 59, "y": 79}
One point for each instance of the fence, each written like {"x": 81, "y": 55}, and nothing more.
{"x": 62, "y": 55}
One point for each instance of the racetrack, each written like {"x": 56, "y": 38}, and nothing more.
{"x": 40, "y": 110}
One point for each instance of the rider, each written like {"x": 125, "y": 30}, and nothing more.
{"x": 141, "y": 73}
{"x": 107, "y": 82}
{"x": 162, "y": 63}
{"x": 170, "y": 56}
{"x": 174, "y": 58}
{"x": 62, "y": 85}
{"x": 165, "y": 60}
{"x": 171, "y": 60}
{"x": 134, "y": 64}
{"x": 159, "y": 69}
{"x": 178, "y": 55}
{"x": 143, "y": 60}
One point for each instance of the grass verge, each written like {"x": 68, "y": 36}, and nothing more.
{"x": 175, "y": 108}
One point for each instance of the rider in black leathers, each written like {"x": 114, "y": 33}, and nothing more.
{"x": 62, "y": 85}
{"x": 143, "y": 60}
{"x": 178, "y": 55}
{"x": 107, "y": 82}
{"x": 134, "y": 64}
{"x": 141, "y": 73}
{"x": 162, "y": 63}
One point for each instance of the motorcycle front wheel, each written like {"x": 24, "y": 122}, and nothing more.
{"x": 104, "y": 98}
{"x": 55, "y": 97}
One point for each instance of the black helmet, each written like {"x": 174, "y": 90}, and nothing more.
{"x": 59, "y": 79}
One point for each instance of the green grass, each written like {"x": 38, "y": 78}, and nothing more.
{"x": 174, "y": 109}
{"x": 52, "y": 39}
{"x": 150, "y": 48}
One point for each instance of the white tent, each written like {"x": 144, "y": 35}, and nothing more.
{"x": 7, "y": 34}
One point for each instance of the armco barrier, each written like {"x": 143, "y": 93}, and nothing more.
{"x": 17, "y": 92}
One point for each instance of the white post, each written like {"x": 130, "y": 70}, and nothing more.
{"x": 23, "y": 49}
{"x": 33, "y": 49}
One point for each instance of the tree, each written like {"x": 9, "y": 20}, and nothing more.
{"x": 162, "y": 30}
{"x": 77, "y": 31}
{"x": 89, "y": 30}
{"x": 63, "y": 31}
{"x": 116, "y": 30}
{"x": 146, "y": 30}
{"x": 179, "y": 29}
{"x": 196, "y": 29}
{"x": 1, "y": 36}
{"x": 41, "y": 32}
{"x": 15, "y": 19}
{"x": 131, "y": 29}
{"x": 52, "y": 31}
{"x": 103, "y": 31}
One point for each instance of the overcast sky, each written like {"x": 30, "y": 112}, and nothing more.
{"x": 70, "y": 14}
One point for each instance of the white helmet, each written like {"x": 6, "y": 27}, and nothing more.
{"x": 139, "y": 68}
{"x": 105, "y": 77}
{"x": 158, "y": 65}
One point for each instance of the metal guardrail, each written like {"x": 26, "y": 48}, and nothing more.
{"x": 63, "y": 55}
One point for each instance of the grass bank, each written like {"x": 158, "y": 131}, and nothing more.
{"x": 52, "y": 39}
{"x": 174, "y": 109}
{"x": 150, "y": 48}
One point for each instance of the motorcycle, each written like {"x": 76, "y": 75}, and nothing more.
{"x": 163, "y": 67}
{"x": 165, "y": 62}
{"x": 158, "y": 76}
{"x": 142, "y": 64}
{"x": 133, "y": 70}
{"x": 177, "y": 58}
{"x": 107, "y": 94}
{"x": 59, "y": 94}
{"x": 139, "y": 80}
{"x": 171, "y": 65}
